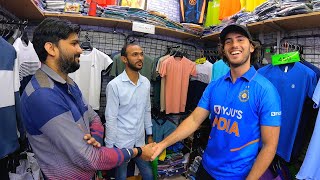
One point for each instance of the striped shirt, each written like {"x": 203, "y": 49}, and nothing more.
{"x": 56, "y": 118}
{"x": 9, "y": 99}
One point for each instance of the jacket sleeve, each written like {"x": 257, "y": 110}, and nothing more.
{"x": 58, "y": 125}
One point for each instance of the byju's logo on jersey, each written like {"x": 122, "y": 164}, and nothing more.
{"x": 217, "y": 109}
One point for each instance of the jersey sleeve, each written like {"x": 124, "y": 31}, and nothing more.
{"x": 270, "y": 107}
{"x": 206, "y": 96}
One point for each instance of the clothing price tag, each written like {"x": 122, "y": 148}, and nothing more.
{"x": 144, "y": 28}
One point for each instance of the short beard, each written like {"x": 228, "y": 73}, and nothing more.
{"x": 132, "y": 67}
{"x": 239, "y": 64}
{"x": 68, "y": 65}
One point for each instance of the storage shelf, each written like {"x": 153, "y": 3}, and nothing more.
{"x": 27, "y": 9}
{"x": 121, "y": 24}
{"x": 289, "y": 23}
{"x": 23, "y": 9}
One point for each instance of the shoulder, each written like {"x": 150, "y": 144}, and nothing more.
{"x": 262, "y": 81}
{"x": 145, "y": 80}
{"x": 305, "y": 68}
{"x": 263, "y": 86}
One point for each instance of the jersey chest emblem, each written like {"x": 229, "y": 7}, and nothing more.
{"x": 244, "y": 96}
{"x": 192, "y": 2}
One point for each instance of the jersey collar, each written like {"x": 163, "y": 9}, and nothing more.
{"x": 249, "y": 75}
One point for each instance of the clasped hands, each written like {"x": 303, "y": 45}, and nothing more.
{"x": 149, "y": 151}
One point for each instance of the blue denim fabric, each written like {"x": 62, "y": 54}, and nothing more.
{"x": 144, "y": 168}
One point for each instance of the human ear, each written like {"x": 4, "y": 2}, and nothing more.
{"x": 49, "y": 47}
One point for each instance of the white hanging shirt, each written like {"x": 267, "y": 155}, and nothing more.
{"x": 204, "y": 72}
{"x": 88, "y": 76}
{"x": 27, "y": 58}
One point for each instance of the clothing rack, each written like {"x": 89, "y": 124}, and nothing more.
{"x": 14, "y": 22}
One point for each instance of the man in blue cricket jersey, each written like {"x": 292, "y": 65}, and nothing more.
{"x": 245, "y": 109}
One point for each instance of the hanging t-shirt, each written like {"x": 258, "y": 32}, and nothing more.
{"x": 28, "y": 60}
{"x": 294, "y": 83}
{"x": 250, "y": 5}
{"x": 219, "y": 69}
{"x": 204, "y": 72}
{"x": 192, "y": 11}
{"x": 177, "y": 72}
{"x": 228, "y": 8}
{"x": 88, "y": 76}
{"x": 9, "y": 99}
{"x": 212, "y": 17}
{"x": 310, "y": 168}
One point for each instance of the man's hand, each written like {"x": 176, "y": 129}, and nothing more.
{"x": 158, "y": 148}
{"x": 147, "y": 151}
{"x": 91, "y": 140}
{"x": 150, "y": 139}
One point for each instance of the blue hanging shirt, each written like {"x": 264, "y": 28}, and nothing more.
{"x": 294, "y": 83}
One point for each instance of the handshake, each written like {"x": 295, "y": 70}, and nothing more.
{"x": 149, "y": 151}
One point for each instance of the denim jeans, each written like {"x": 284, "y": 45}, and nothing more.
{"x": 144, "y": 168}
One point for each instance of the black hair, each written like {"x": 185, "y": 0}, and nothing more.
{"x": 254, "y": 57}
{"x": 51, "y": 30}
{"x": 124, "y": 48}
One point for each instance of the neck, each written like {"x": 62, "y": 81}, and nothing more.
{"x": 55, "y": 68}
{"x": 237, "y": 72}
{"x": 133, "y": 75}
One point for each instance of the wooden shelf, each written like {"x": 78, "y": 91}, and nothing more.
{"x": 27, "y": 9}
{"x": 23, "y": 9}
{"x": 121, "y": 24}
{"x": 289, "y": 23}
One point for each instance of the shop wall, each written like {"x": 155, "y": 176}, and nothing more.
{"x": 309, "y": 39}
{"x": 109, "y": 41}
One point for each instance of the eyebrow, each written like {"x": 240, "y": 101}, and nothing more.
{"x": 75, "y": 41}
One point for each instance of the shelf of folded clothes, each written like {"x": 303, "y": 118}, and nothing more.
{"x": 112, "y": 17}
{"x": 120, "y": 24}
{"x": 272, "y": 16}
{"x": 288, "y": 23}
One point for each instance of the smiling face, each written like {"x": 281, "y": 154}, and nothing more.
{"x": 69, "y": 54}
{"x": 237, "y": 48}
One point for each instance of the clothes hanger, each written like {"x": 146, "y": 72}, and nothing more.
{"x": 86, "y": 45}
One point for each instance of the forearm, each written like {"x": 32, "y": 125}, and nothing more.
{"x": 185, "y": 129}
{"x": 107, "y": 158}
{"x": 262, "y": 162}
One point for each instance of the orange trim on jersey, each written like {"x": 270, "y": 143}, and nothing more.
{"x": 249, "y": 143}
{"x": 182, "y": 10}
{"x": 202, "y": 11}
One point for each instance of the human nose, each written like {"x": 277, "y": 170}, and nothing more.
{"x": 79, "y": 49}
{"x": 140, "y": 57}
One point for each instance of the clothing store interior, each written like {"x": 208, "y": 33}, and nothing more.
{"x": 183, "y": 58}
